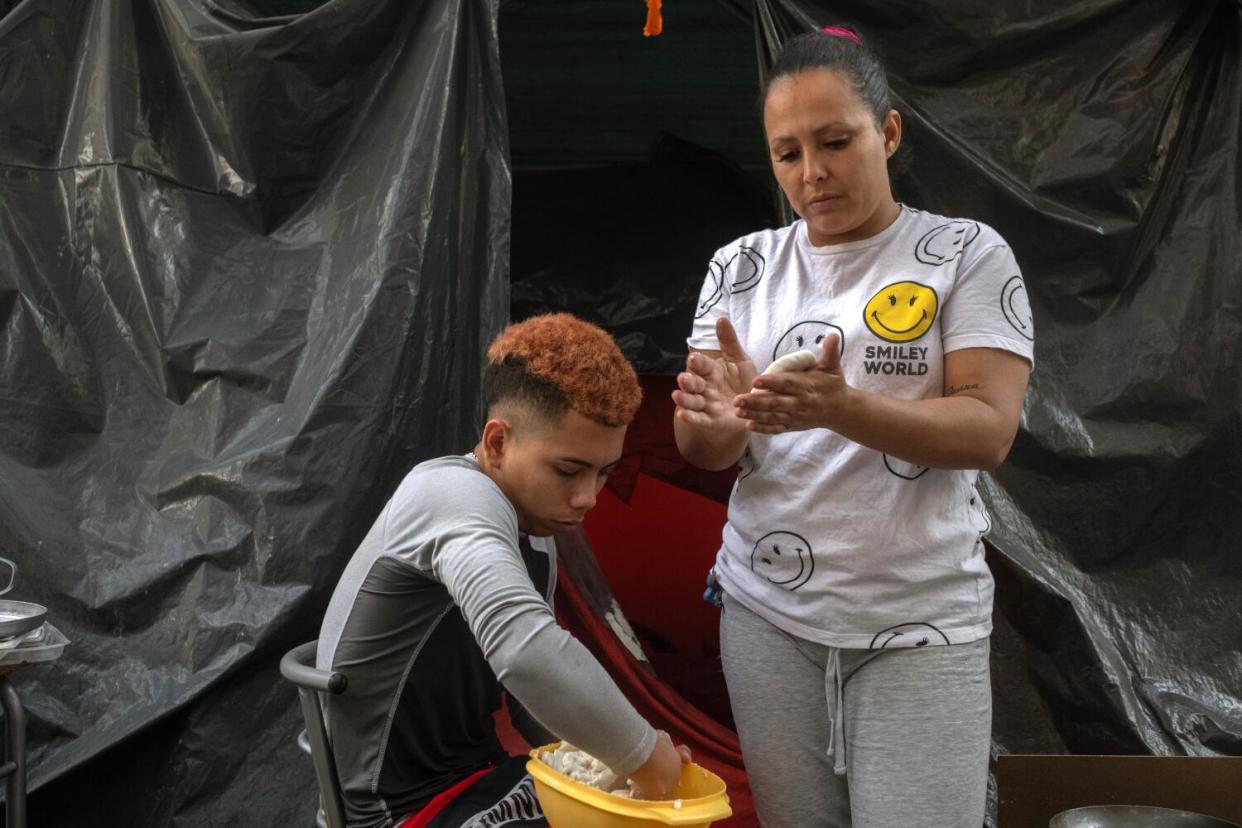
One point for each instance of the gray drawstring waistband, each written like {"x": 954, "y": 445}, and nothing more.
{"x": 836, "y": 710}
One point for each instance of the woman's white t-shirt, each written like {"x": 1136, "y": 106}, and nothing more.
{"x": 827, "y": 539}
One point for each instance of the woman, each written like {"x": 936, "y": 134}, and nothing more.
{"x": 857, "y": 601}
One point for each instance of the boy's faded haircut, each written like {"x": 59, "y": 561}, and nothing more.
{"x": 557, "y": 362}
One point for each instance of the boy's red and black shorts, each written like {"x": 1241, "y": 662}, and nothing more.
{"x": 499, "y": 797}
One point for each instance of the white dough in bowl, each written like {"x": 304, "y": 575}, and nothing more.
{"x": 581, "y": 766}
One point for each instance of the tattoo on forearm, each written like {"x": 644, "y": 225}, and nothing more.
{"x": 957, "y": 389}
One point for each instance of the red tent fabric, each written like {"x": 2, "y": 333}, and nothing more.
{"x": 714, "y": 746}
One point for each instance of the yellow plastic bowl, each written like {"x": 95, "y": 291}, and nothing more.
{"x": 570, "y": 804}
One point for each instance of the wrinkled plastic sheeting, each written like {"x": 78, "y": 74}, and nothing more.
{"x": 1101, "y": 139}
{"x": 633, "y": 263}
{"x": 248, "y": 269}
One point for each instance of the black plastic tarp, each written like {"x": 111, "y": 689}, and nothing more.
{"x": 248, "y": 267}
{"x": 247, "y": 272}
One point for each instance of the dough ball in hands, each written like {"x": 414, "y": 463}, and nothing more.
{"x": 797, "y": 361}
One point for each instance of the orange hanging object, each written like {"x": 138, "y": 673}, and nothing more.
{"x": 655, "y": 23}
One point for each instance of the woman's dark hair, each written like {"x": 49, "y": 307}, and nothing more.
{"x": 839, "y": 49}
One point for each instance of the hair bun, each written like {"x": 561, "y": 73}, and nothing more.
{"x": 840, "y": 31}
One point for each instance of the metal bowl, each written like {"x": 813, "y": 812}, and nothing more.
{"x": 19, "y": 617}
{"x": 1134, "y": 816}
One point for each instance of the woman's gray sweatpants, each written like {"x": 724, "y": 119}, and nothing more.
{"x": 914, "y": 725}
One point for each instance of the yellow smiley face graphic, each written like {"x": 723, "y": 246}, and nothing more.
{"x": 902, "y": 311}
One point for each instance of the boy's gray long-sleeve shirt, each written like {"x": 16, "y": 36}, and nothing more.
{"x": 436, "y": 605}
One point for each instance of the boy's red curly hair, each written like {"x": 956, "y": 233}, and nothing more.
{"x": 557, "y": 355}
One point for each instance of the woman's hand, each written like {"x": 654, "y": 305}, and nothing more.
{"x": 707, "y": 388}
{"x": 797, "y": 400}
{"x": 971, "y": 427}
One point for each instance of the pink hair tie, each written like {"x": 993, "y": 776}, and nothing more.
{"x": 837, "y": 31}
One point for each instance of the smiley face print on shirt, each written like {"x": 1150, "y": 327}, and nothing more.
{"x": 746, "y": 465}
{"x": 784, "y": 559}
{"x": 1016, "y": 306}
{"x": 903, "y": 468}
{"x": 708, "y": 302}
{"x": 808, "y": 335}
{"x": 945, "y": 243}
{"x": 747, "y": 267}
{"x": 912, "y": 634}
{"x": 978, "y": 512}
{"x": 902, "y": 311}
{"x": 739, "y": 274}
